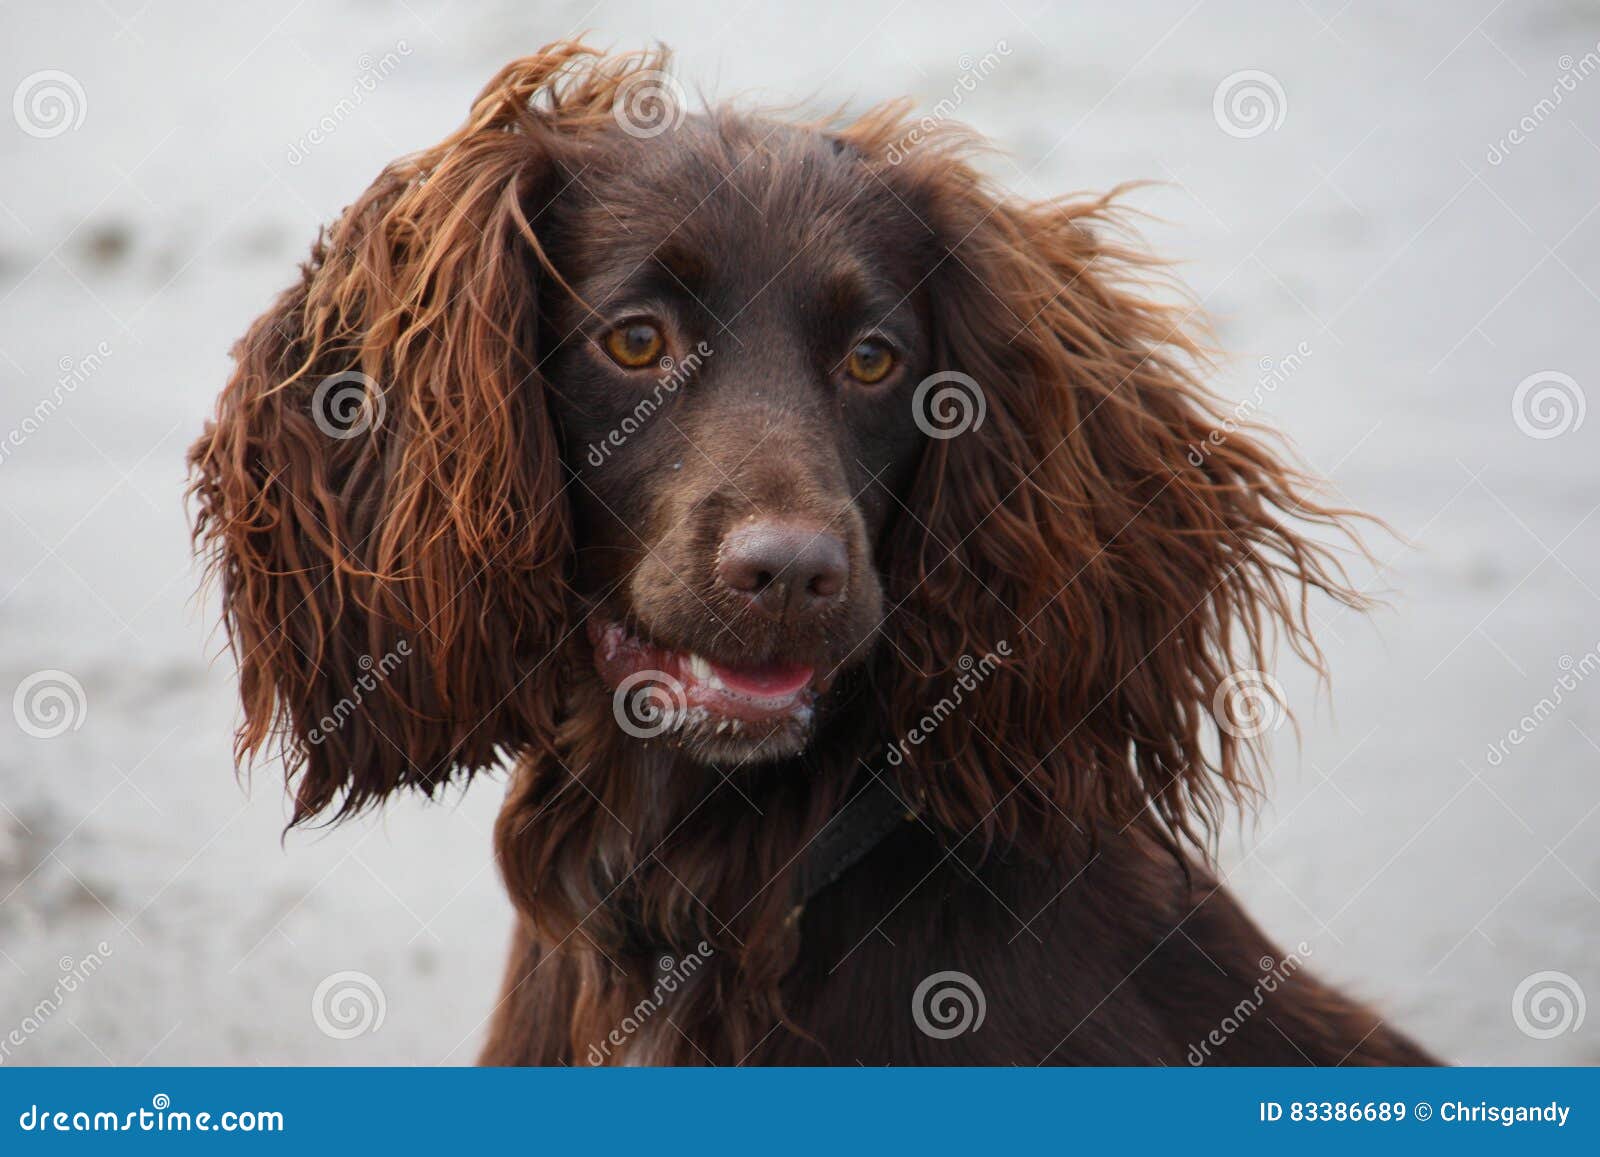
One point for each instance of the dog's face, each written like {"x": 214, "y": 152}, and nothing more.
{"x": 735, "y": 352}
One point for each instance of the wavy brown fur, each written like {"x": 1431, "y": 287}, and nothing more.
{"x": 1130, "y": 581}
{"x": 447, "y": 526}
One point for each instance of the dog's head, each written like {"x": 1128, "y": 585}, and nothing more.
{"x": 732, "y": 364}
{"x": 713, "y": 420}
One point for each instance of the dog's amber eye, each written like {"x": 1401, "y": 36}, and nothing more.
{"x": 635, "y": 345}
{"x": 870, "y": 361}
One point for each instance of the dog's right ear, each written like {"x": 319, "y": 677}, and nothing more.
{"x": 381, "y": 492}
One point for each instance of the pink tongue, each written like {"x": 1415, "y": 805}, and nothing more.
{"x": 770, "y": 681}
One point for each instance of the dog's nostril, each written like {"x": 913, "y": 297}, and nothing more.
{"x": 825, "y": 584}
{"x": 787, "y": 568}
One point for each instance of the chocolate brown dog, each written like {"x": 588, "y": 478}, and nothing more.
{"x": 819, "y": 535}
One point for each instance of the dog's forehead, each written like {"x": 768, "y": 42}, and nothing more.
{"x": 753, "y": 205}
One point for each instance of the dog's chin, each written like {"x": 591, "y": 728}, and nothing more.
{"x": 748, "y": 746}
{"x": 716, "y": 712}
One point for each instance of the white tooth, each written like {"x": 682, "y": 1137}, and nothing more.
{"x": 700, "y": 669}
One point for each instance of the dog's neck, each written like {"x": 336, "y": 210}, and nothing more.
{"x": 619, "y": 855}
{"x": 655, "y": 849}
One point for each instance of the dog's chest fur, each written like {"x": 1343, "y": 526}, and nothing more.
{"x": 1109, "y": 956}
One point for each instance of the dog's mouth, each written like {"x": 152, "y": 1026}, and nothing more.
{"x": 660, "y": 691}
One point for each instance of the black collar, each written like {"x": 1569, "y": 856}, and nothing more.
{"x": 864, "y": 822}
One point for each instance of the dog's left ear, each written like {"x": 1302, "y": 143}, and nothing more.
{"x": 1097, "y": 553}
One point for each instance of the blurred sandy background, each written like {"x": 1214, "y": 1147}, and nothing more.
{"x": 1374, "y": 225}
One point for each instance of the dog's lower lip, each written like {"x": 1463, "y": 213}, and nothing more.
{"x": 757, "y": 693}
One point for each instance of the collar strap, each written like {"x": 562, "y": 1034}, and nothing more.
{"x": 863, "y": 823}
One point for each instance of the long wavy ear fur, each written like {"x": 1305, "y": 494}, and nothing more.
{"x": 1136, "y": 568}
{"x": 380, "y": 493}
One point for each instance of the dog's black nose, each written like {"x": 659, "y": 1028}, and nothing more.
{"x": 785, "y": 568}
